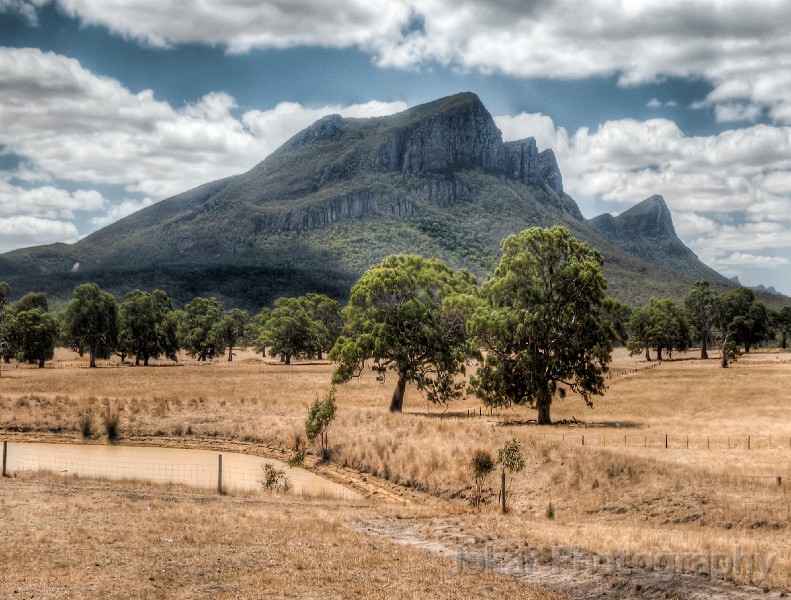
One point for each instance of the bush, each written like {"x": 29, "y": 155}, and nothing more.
{"x": 320, "y": 415}
{"x": 481, "y": 465}
{"x": 275, "y": 479}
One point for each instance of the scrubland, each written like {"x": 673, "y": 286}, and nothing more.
{"x": 712, "y": 490}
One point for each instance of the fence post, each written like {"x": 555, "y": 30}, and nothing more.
{"x": 665, "y": 440}
{"x": 5, "y": 454}
{"x": 748, "y": 442}
{"x": 583, "y": 440}
{"x": 219, "y": 474}
{"x": 779, "y": 480}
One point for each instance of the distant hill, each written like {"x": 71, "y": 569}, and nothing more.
{"x": 338, "y": 197}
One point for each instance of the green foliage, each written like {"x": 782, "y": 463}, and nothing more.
{"x": 30, "y": 301}
{"x": 32, "y": 334}
{"x": 291, "y": 329}
{"x": 510, "y": 457}
{"x": 781, "y": 322}
{"x": 617, "y": 315}
{"x": 320, "y": 415}
{"x": 195, "y": 326}
{"x": 541, "y": 326}
{"x": 230, "y": 330}
{"x": 90, "y": 321}
{"x": 701, "y": 306}
{"x": 408, "y": 314}
{"x": 550, "y": 512}
{"x": 739, "y": 320}
{"x": 5, "y": 318}
{"x": 147, "y": 326}
{"x": 662, "y": 325}
{"x": 111, "y": 418}
{"x": 481, "y": 465}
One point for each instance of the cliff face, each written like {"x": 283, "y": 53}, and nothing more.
{"x": 646, "y": 230}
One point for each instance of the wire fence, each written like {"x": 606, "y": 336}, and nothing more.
{"x": 673, "y": 441}
{"x": 225, "y": 473}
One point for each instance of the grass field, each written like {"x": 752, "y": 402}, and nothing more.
{"x": 713, "y": 489}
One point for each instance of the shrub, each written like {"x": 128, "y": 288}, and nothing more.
{"x": 320, "y": 414}
{"x": 481, "y": 465}
{"x": 275, "y": 479}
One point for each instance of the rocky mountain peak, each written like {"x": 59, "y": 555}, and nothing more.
{"x": 651, "y": 218}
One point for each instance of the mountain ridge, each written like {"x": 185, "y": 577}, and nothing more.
{"x": 337, "y": 197}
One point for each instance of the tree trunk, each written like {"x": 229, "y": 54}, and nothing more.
{"x": 502, "y": 489}
{"x": 659, "y": 354}
{"x": 543, "y": 404}
{"x": 202, "y": 356}
{"x": 287, "y": 359}
{"x": 704, "y": 353}
{"x": 724, "y": 360}
{"x": 230, "y": 353}
{"x": 785, "y": 339}
{"x": 320, "y": 354}
{"x": 40, "y": 363}
{"x": 648, "y": 354}
{"x": 92, "y": 363}
{"x": 137, "y": 359}
{"x": 397, "y": 401}
{"x": 747, "y": 347}
{"x": 145, "y": 360}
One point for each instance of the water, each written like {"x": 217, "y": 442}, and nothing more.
{"x": 195, "y": 468}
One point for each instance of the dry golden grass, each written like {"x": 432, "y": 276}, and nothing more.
{"x": 66, "y": 538}
{"x": 633, "y": 496}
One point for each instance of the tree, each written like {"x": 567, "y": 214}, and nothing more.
{"x": 30, "y": 301}
{"x": 32, "y": 334}
{"x": 662, "y": 325}
{"x": 747, "y": 320}
{"x": 618, "y": 315}
{"x": 481, "y": 465}
{"x": 781, "y": 321}
{"x": 195, "y": 327}
{"x": 510, "y": 458}
{"x": 701, "y": 306}
{"x": 408, "y": 315}
{"x": 542, "y": 326}
{"x": 320, "y": 415}
{"x": 289, "y": 330}
{"x": 91, "y": 320}
{"x": 230, "y": 329}
{"x": 5, "y": 317}
{"x": 328, "y": 313}
{"x": 147, "y": 326}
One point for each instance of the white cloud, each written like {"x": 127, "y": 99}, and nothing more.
{"x": 653, "y": 103}
{"x": 46, "y": 202}
{"x": 77, "y": 126}
{"x": 743, "y": 259}
{"x": 22, "y": 231}
{"x": 120, "y": 210}
{"x": 742, "y": 47}
{"x": 730, "y": 194}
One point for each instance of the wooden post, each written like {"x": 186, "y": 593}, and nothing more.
{"x": 687, "y": 442}
{"x": 748, "y": 442}
{"x": 665, "y": 440}
{"x": 502, "y": 487}
{"x": 624, "y": 441}
{"x": 219, "y": 474}
{"x": 5, "y": 454}
{"x": 583, "y": 440}
{"x": 708, "y": 442}
{"x": 779, "y": 480}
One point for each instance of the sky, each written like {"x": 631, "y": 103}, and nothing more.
{"x": 109, "y": 107}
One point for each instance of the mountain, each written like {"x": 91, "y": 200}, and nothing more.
{"x": 646, "y": 231}
{"x": 336, "y": 198}
{"x": 760, "y": 288}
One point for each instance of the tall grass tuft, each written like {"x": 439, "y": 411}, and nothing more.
{"x": 86, "y": 424}
{"x": 112, "y": 422}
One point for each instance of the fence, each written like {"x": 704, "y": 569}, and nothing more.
{"x": 674, "y": 441}
{"x": 229, "y": 473}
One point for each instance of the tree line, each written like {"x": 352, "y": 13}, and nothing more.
{"x": 540, "y": 327}
{"x": 147, "y": 325}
